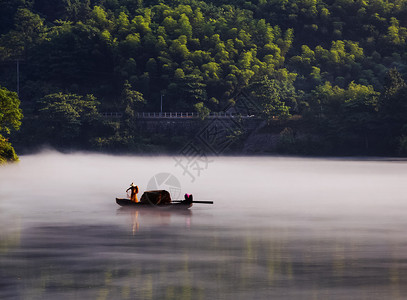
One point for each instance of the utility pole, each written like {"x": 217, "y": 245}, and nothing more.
{"x": 18, "y": 77}
{"x": 162, "y": 103}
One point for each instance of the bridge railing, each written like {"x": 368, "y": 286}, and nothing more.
{"x": 113, "y": 115}
{"x": 166, "y": 115}
{"x": 177, "y": 115}
{"x": 185, "y": 115}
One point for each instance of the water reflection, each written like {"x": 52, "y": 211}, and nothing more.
{"x": 287, "y": 229}
{"x": 157, "y": 217}
{"x": 10, "y": 233}
{"x": 106, "y": 262}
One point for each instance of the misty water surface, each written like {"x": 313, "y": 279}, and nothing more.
{"x": 280, "y": 228}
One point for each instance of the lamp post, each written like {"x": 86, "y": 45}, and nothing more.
{"x": 18, "y": 77}
{"x": 162, "y": 103}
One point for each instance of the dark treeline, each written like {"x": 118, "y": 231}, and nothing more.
{"x": 337, "y": 67}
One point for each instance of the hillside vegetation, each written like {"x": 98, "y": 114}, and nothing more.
{"x": 339, "y": 65}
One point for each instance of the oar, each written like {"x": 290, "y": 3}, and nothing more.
{"x": 204, "y": 202}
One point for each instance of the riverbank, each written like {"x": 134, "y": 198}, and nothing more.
{"x": 232, "y": 136}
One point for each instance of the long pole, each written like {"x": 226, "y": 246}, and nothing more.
{"x": 161, "y": 103}
{"x": 18, "y": 77}
{"x": 203, "y": 202}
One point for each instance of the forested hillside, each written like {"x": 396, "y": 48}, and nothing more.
{"x": 339, "y": 65}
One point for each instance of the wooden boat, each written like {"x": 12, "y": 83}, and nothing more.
{"x": 173, "y": 205}
{"x": 159, "y": 199}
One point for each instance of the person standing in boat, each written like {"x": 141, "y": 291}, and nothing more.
{"x": 134, "y": 192}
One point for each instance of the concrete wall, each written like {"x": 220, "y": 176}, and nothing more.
{"x": 192, "y": 126}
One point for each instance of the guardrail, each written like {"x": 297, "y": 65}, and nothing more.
{"x": 175, "y": 115}
{"x": 113, "y": 115}
{"x": 166, "y": 115}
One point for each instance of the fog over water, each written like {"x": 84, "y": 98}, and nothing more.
{"x": 279, "y": 228}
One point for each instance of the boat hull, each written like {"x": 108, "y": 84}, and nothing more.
{"x": 128, "y": 203}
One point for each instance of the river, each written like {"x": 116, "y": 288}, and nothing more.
{"x": 279, "y": 228}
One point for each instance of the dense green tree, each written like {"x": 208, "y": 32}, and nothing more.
{"x": 27, "y": 33}
{"x": 68, "y": 117}
{"x": 7, "y": 152}
{"x": 271, "y": 94}
{"x": 51, "y": 9}
{"x": 348, "y": 116}
{"x": 132, "y": 102}
{"x": 8, "y": 9}
{"x": 393, "y": 104}
{"x": 10, "y": 118}
{"x": 332, "y": 101}
{"x": 360, "y": 111}
{"x": 202, "y": 110}
{"x": 10, "y": 112}
{"x": 185, "y": 92}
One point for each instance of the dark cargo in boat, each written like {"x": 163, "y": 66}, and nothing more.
{"x": 159, "y": 197}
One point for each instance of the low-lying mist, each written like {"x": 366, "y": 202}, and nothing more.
{"x": 258, "y": 184}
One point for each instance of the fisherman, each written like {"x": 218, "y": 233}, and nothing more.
{"x": 134, "y": 191}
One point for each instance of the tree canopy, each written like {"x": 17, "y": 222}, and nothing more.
{"x": 10, "y": 119}
{"x": 319, "y": 59}
{"x": 10, "y": 112}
